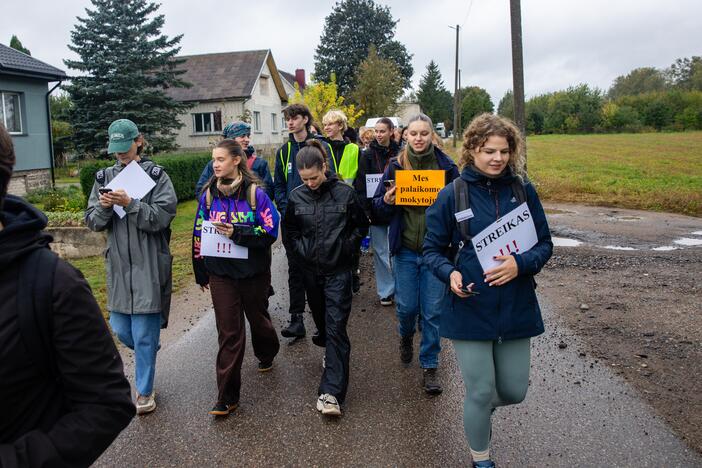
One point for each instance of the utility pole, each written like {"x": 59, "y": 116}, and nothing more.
{"x": 455, "y": 91}
{"x": 515, "y": 11}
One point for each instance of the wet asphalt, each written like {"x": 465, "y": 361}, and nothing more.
{"x": 577, "y": 412}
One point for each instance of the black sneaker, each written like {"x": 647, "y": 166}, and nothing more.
{"x": 296, "y": 328}
{"x": 406, "y": 349}
{"x": 319, "y": 339}
{"x": 265, "y": 366}
{"x": 355, "y": 283}
{"x": 484, "y": 464}
{"x": 386, "y": 301}
{"x": 221, "y": 409}
{"x": 431, "y": 382}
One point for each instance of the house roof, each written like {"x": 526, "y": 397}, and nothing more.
{"x": 228, "y": 75}
{"x": 14, "y": 62}
{"x": 288, "y": 76}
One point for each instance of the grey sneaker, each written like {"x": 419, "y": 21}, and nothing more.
{"x": 328, "y": 405}
{"x": 146, "y": 403}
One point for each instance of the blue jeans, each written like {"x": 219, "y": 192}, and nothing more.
{"x": 381, "y": 260}
{"x": 140, "y": 333}
{"x": 418, "y": 290}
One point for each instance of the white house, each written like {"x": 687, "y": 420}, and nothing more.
{"x": 230, "y": 86}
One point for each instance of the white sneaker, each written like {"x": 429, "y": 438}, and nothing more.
{"x": 328, "y": 405}
{"x": 324, "y": 362}
{"x": 146, "y": 404}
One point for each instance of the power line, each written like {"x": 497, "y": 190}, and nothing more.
{"x": 470, "y": 5}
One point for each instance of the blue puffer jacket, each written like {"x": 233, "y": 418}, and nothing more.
{"x": 392, "y": 214}
{"x": 286, "y": 176}
{"x": 499, "y": 312}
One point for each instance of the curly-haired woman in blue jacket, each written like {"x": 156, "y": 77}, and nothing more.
{"x": 495, "y": 313}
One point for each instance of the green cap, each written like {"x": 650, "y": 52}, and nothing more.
{"x": 121, "y": 133}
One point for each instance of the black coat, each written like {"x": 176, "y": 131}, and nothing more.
{"x": 44, "y": 423}
{"x": 325, "y": 226}
{"x": 373, "y": 160}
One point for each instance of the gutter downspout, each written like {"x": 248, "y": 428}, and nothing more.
{"x": 51, "y": 133}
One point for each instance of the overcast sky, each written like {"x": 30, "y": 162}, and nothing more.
{"x": 566, "y": 42}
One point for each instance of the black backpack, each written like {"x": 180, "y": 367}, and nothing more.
{"x": 35, "y": 308}
{"x": 462, "y": 202}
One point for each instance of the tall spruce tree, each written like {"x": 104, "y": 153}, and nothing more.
{"x": 349, "y": 31}
{"x": 434, "y": 99}
{"x": 125, "y": 65}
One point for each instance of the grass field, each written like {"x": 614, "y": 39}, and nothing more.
{"x": 93, "y": 268}
{"x": 647, "y": 171}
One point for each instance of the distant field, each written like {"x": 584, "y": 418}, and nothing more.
{"x": 649, "y": 171}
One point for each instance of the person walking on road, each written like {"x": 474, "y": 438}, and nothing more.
{"x": 63, "y": 394}
{"x": 239, "y": 209}
{"x": 326, "y": 222}
{"x": 493, "y": 314}
{"x": 419, "y": 293}
{"x": 374, "y": 161}
{"x": 241, "y": 133}
{"x": 138, "y": 259}
{"x": 287, "y": 178}
{"x": 344, "y": 156}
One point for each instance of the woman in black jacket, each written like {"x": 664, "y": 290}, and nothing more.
{"x": 326, "y": 223}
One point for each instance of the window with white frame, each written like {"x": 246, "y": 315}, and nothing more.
{"x": 10, "y": 112}
{"x": 274, "y": 123}
{"x": 207, "y": 122}
{"x": 257, "y": 121}
{"x": 282, "y": 122}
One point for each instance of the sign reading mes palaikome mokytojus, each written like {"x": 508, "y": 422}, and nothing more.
{"x": 418, "y": 188}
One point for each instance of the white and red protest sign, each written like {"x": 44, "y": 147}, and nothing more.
{"x": 214, "y": 244}
{"x": 512, "y": 233}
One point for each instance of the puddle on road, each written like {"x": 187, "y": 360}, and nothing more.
{"x": 565, "y": 242}
{"x": 618, "y": 247}
{"x": 665, "y": 248}
{"x": 697, "y": 233}
{"x": 687, "y": 241}
{"x": 556, "y": 211}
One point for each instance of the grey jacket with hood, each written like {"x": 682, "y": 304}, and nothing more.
{"x": 137, "y": 259}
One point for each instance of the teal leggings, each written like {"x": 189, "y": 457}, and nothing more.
{"x": 494, "y": 374}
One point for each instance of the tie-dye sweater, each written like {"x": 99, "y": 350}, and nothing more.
{"x": 256, "y": 231}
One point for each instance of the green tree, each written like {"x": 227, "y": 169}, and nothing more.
{"x": 638, "y": 81}
{"x": 61, "y": 129}
{"x": 124, "y": 67}
{"x": 474, "y": 100}
{"x": 686, "y": 73}
{"x": 322, "y": 97}
{"x": 349, "y": 31}
{"x": 536, "y": 109}
{"x": 506, "y": 106}
{"x": 16, "y": 44}
{"x": 378, "y": 86}
{"x": 575, "y": 110}
{"x": 433, "y": 97}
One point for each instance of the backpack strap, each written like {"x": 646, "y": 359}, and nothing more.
{"x": 251, "y": 197}
{"x": 518, "y": 190}
{"x": 35, "y": 308}
{"x": 462, "y": 202}
{"x": 100, "y": 177}
{"x": 155, "y": 172}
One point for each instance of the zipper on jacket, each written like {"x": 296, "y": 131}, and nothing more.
{"x": 495, "y": 194}
{"x": 129, "y": 255}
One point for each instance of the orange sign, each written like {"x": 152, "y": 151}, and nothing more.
{"x": 418, "y": 188}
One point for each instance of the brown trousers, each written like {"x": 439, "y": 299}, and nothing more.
{"x": 232, "y": 299}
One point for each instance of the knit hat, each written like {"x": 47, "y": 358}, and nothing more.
{"x": 236, "y": 129}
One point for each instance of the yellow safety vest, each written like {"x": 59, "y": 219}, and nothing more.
{"x": 349, "y": 163}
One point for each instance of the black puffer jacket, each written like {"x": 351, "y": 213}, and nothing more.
{"x": 373, "y": 160}
{"x": 325, "y": 226}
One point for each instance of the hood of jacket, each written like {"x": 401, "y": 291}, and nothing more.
{"x": 22, "y": 230}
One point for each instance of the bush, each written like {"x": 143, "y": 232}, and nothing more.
{"x": 61, "y": 199}
{"x": 184, "y": 170}
{"x": 65, "y": 219}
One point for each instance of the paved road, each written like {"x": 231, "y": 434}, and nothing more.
{"x": 577, "y": 412}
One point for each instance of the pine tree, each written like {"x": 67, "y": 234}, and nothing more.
{"x": 349, "y": 31}
{"x": 16, "y": 44}
{"x": 506, "y": 106}
{"x": 379, "y": 86}
{"x": 125, "y": 65}
{"x": 434, "y": 99}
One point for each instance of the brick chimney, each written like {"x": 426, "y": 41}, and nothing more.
{"x": 300, "y": 77}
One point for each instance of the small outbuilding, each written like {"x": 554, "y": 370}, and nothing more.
{"x": 24, "y": 110}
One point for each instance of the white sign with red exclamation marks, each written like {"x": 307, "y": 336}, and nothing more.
{"x": 514, "y": 233}
{"x": 214, "y": 244}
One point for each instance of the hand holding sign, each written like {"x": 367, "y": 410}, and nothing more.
{"x": 216, "y": 244}
{"x": 504, "y": 273}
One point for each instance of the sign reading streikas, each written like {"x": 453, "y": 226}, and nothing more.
{"x": 214, "y": 244}
{"x": 418, "y": 188}
{"x": 513, "y": 233}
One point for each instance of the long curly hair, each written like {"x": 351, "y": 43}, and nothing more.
{"x": 483, "y": 127}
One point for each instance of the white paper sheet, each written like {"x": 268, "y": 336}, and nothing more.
{"x": 513, "y": 233}
{"x": 133, "y": 180}
{"x": 214, "y": 244}
{"x": 372, "y": 181}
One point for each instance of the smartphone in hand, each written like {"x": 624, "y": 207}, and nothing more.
{"x": 104, "y": 190}
{"x": 388, "y": 183}
{"x": 467, "y": 291}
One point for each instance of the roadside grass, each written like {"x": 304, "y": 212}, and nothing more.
{"x": 646, "y": 171}
{"x": 93, "y": 268}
